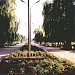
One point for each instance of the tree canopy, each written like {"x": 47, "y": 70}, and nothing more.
{"x": 8, "y": 21}
{"x": 59, "y": 20}
{"x": 39, "y": 34}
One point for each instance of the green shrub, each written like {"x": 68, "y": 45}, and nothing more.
{"x": 50, "y": 67}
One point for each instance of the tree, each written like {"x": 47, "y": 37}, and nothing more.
{"x": 39, "y": 34}
{"x": 59, "y": 21}
{"x": 20, "y": 38}
{"x": 8, "y": 21}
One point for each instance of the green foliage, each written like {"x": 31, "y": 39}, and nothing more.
{"x": 4, "y": 25}
{"x": 8, "y": 21}
{"x": 20, "y": 38}
{"x": 46, "y": 67}
{"x": 39, "y": 34}
{"x": 39, "y": 37}
{"x": 59, "y": 21}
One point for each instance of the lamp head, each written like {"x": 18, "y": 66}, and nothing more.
{"x": 23, "y": 1}
{"x": 38, "y": 1}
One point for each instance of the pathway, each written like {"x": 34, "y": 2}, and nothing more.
{"x": 69, "y": 55}
{"x": 8, "y": 49}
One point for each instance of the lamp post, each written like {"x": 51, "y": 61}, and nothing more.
{"x": 29, "y": 28}
{"x": 29, "y": 25}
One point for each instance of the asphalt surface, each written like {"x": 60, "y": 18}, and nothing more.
{"x": 4, "y": 52}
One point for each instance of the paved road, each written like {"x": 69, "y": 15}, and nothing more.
{"x": 8, "y": 49}
{"x": 69, "y": 55}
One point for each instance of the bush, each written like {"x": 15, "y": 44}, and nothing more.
{"x": 50, "y": 67}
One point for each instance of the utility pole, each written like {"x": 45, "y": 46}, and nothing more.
{"x": 29, "y": 25}
{"x": 29, "y": 28}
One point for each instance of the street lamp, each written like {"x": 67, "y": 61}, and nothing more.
{"x": 29, "y": 25}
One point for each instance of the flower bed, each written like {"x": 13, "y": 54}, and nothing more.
{"x": 49, "y": 65}
{"x": 24, "y": 54}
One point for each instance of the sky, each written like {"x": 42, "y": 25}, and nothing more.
{"x": 36, "y": 16}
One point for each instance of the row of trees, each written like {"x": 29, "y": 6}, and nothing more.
{"x": 59, "y": 21}
{"x": 8, "y": 21}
